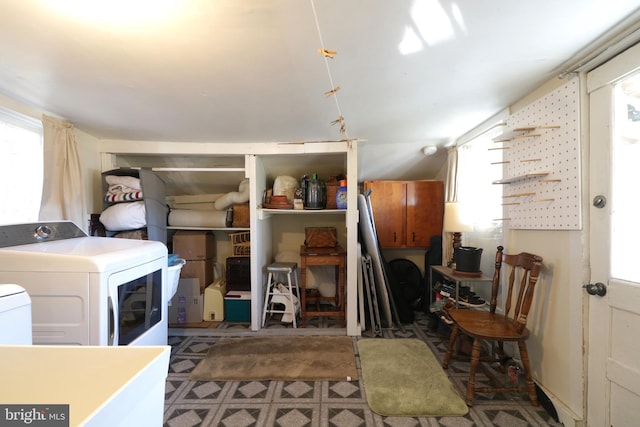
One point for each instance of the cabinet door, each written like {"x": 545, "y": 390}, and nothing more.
{"x": 388, "y": 206}
{"x": 425, "y": 210}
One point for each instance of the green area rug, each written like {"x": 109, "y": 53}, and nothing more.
{"x": 286, "y": 358}
{"x": 402, "y": 377}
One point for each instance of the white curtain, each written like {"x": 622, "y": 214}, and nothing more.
{"x": 451, "y": 195}
{"x": 63, "y": 189}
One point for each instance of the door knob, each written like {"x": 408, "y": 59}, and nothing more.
{"x": 599, "y": 289}
{"x": 599, "y": 201}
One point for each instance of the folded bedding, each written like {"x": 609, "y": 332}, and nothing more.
{"x": 112, "y": 197}
{"x": 197, "y": 218}
{"x": 128, "y": 183}
{"x": 124, "y": 216}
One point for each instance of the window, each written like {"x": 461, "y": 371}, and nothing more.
{"x": 625, "y": 202}
{"x": 479, "y": 164}
{"x": 21, "y": 168}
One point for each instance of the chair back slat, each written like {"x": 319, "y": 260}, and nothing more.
{"x": 526, "y": 268}
{"x": 495, "y": 286}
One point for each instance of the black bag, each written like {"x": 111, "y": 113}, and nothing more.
{"x": 406, "y": 283}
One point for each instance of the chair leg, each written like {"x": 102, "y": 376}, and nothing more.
{"x": 475, "y": 361}
{"x": 452, "y": 342}
{"x": 524, "y": 355}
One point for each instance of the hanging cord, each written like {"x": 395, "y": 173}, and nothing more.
{"x": 340, "y": 120}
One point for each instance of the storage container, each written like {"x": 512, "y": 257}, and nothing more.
{"x": 238, "y": 273}
{"x": 468, "y": 259}
{"x": 237, "y": 306}
{"x": 214, "y": 301}
{"x": 241, "y": 215}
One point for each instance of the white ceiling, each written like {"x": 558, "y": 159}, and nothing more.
{"x": 250, "y": 70}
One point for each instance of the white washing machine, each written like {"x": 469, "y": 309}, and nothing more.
{"x": 15, "y": 315}
{"x": 87, "y": 290}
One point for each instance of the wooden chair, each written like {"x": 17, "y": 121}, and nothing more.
{"x": 498, "y": 328}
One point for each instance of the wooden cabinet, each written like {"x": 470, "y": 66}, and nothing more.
{"x": 406, "y": 213}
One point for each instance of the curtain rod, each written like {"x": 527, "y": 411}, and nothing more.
{"x": 497, "y": 120}
{"x": 619, "y": 38}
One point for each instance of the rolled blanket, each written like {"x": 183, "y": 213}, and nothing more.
{"x": 197, "y": 218}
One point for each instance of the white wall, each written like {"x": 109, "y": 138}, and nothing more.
{"x": 556, "y": 342}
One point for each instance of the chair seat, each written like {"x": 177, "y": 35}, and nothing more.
{"x": 483, "y": 324}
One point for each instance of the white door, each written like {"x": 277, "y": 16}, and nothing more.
{"x": 613, "y": 346}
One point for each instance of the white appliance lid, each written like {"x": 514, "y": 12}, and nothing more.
{"x": 81, "y": 254}
{"x": 11, "y": 289}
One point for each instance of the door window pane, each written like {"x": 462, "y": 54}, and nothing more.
{"x": 625, "y": 194}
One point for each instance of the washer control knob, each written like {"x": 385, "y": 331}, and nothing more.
{"x": 43, "y": 232}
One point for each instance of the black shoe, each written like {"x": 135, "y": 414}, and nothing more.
{"x": 448, "y": 291}
{"x": 471, "y": 301}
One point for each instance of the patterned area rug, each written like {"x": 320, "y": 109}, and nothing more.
{"x": 299, "y": 358}
{"x": 403, "y": 378}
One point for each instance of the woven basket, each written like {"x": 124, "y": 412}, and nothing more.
{"x": 320, "y": 237}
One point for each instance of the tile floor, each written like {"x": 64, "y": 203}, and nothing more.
{"x": 315, "y": 403}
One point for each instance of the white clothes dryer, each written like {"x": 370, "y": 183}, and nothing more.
{"x": 15, "y": 315}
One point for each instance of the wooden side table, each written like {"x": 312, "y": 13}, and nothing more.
{"x": 323, "y": 256}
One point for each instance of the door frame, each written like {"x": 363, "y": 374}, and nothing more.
{"x": 600, "y": 90}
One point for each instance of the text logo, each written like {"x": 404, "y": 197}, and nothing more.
{"x": 34, "y": 415}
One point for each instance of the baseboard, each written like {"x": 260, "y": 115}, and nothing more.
{"x": 566, "y": 416}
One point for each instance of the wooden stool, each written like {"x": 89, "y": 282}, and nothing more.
{"x": 323, "y": 256}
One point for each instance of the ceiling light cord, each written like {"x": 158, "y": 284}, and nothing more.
{"x": 326, "y": 63}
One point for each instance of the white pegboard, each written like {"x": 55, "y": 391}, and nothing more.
{"x": 542, "y": 166}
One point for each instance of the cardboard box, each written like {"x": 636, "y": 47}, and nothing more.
{"x": 194, "y": 245}
{"x": 214, "y": 301}
{"x": 187, "y": 304}
{"x": 241, "y": 215}
{"x": 237, "y": 306}
{"x": 201, "y": 270}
